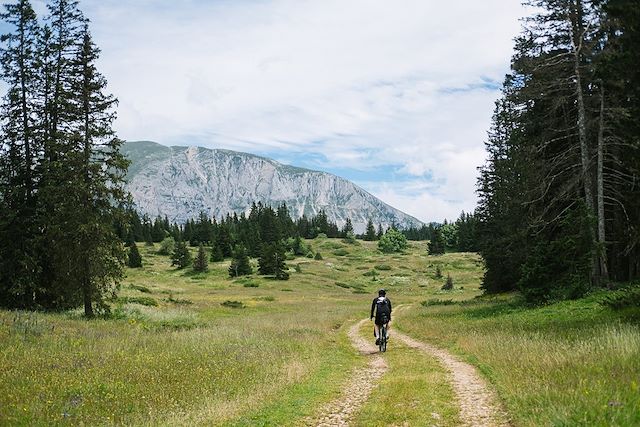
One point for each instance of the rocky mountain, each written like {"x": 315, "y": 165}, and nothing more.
{"x": 181, "y": 182}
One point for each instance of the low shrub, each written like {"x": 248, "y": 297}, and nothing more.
{"x": 342, "y": 285}
{"x": 431, "y": 302}
{"x": 383, "y": 267}
{"x": 147, "y": 301}
{"x": 622, "y": 298}
{"x": 233, "y": 304}
{"x": 178, "y": 300}
{"x": 340, "y": 252}
{"x": 142, "y": 289}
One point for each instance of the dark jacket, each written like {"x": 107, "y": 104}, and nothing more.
{"x": 383, "y": 305}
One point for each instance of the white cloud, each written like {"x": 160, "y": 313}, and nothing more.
{"x": 366, "y": 83}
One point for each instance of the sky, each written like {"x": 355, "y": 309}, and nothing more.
{"x": 396, "y": 96}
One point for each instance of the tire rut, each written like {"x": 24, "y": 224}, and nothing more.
{"x": 359, "y": 387}
{"x": 479, "y": 406}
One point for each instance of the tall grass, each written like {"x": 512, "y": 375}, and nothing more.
{"x": 572, "y": 363}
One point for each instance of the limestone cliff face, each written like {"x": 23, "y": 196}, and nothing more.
{"x": 181, "y": 182}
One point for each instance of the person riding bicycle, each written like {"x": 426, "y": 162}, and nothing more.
{"x": 382, "y": 308}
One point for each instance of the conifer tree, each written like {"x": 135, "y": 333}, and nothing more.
{"x": 19, "y": 151}
{"x": 437, "y": 244}
{"x": 370, "y": 234}
{"x": 200, "y": 263}
{"x": 272, "y": 261}
{"x": 348, "y": 228}
{"x": 216, "y": 254}
{"x": 181, "y": 257}
{"x": 240, "y": 265}
{"x": 448, "y": 284}
{"x": 135, "y": 259}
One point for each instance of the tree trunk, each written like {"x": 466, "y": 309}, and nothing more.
{"x": 602, "y": 248}
{"x": 587, "y": 179}
{"x": 86, "y": 294}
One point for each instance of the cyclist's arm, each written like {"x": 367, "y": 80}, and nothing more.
{"x": 373, "y": 307}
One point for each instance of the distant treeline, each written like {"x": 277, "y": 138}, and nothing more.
{"x": 265, "y": 224}
{"x": 559, "y": 209}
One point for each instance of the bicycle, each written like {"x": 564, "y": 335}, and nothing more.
{"x": 382, "y": 339}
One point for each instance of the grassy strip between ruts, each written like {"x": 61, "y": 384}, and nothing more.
{"x": 415, "y": 391}
{"x": 570, "y": 363}
{"x": 301, "y": 399}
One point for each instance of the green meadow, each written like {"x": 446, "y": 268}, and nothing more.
{"x": 181, "y": 348}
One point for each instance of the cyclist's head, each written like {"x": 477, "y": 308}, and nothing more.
{"x": 382, "y": 293}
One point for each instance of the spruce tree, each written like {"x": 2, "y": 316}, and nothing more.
{"x": 134, "y": 260}
{"x": 240, "y": 264}
{"x": 448, "y": 284}
{"x": 437, "y": 244}
{"x": 216, "y": 254}
{"x": 181, "y": 257}
{"x": 272, "y": 261}
{"x": 19, "y": 151}
{"x": 200, "y": 263}
{"x": 370, "y": 234}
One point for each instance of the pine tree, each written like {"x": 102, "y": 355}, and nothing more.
{"x": 348, "y": 228}
{"x": 216, "y": 254}
{"x": 134, "y": 260}
{"x": 240, "y": 264}
{"x": 272, "y": 261}
{"x": 200, "y": 263}
{"x": 19, "y": 151}
{"x": 437, "y": 244}
{"x": 181, "y": 257}
{"x": 370, "y": 234}
{"x": 448, "y": 285}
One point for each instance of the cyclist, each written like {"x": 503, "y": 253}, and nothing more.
{"x": 382, "y": 307}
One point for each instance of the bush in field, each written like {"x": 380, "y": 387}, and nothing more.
{"x": 623, "y": 298}
{"x": 297, "y": 246}
{"x": 134, "y": 260}
{"x": 233, "y": 304}
{"x": 147, "y": 301}
{"x": 240, "y": 265}
{"x": 383, "y": 267}
{"x": 167, "y": 246}
{"x": 200, "y": 264}
{"x": 181, "y": 257}
{"x": 438, "y": 273}
{"x": 392, "y": 241}
{"x": 349, "y": 238}
{"x": 340, "y": 252}
{"x": 448, "y": 285}
{"x": 318, "y": 256}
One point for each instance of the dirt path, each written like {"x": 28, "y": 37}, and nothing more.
{"x": 359, "y": 387}
{"x": 478, "y": 404}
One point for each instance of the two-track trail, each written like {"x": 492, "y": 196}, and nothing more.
{"x": 479, "y": 405}
{"x": 358, "y": 388}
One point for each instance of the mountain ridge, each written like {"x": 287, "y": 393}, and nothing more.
{"x": 182, "y": 181}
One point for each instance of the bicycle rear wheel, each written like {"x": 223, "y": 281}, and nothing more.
{"x": 383, "y": 339}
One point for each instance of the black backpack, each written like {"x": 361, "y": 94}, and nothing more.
{"x": 383, "y": 306}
